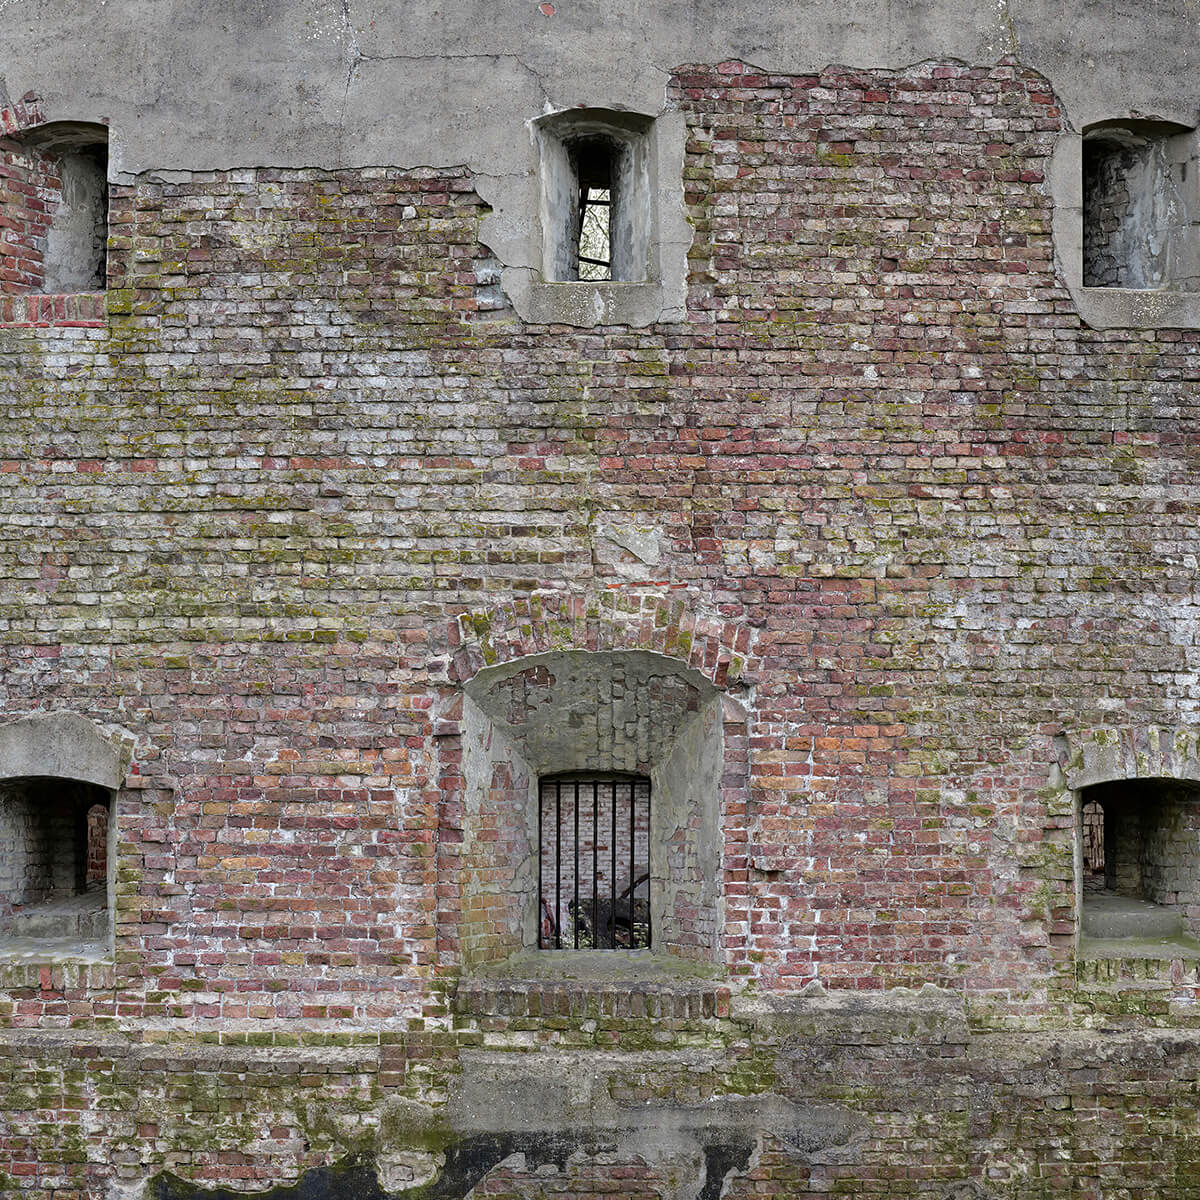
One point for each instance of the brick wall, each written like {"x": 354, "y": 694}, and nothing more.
{"x": 941, "y": 520}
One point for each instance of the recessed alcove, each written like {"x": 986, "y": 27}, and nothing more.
{"x": 554, "y": 745}
{"x": 54, "y": 874}
{"x": 1140, "y": 868}
{"x": 59, "y": 779}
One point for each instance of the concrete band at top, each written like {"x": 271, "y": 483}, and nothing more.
{"x": 352, "y": 83}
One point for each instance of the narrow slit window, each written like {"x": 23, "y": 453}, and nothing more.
{"x": 594, "y": 172}
{"x": 597, "y": 216}
{"x": 594, "y": 863}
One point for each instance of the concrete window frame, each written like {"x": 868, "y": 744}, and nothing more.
{"x": 1172, "y": 155}
{"x": 650, "y": 233}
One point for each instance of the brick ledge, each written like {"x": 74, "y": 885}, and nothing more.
{"x": 673, "y": 998}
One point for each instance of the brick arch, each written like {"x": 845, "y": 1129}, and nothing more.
{"x": 667, "y": 621}
{"x": 1103, "y": 755}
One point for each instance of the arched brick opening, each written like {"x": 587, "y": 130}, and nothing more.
{"x": 631, "y": 685}
{"x": 664, "y": 621}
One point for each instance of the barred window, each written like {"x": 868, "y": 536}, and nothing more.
{"x": 594, "y": 862}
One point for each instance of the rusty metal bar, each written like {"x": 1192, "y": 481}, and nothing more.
{"x": 575, "y": 906}
{"x": 595, "y": 862}
{"x": 632, "y": 853}
{"x": 541, "y": 900}
{"x": 612, "y": 912}
{"x": 649, "y": 911}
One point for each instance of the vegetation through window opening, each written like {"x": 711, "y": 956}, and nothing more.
{"x": 594, "y": 170}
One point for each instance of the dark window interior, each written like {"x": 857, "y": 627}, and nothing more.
{"x": 595, "y": 171}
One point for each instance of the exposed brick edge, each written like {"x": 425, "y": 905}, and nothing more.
{"x": 574, "y": 998}
{"x": 24, "y": 114}
{"x": 35, "y": 311}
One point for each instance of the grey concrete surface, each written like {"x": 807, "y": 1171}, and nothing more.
{"x": 75, "y": 244}
{"x": 61, "y": 745}
{"x": 1106, "y": 915}
{"x": 321, "y": 82}
{"x": 78, "y": 918}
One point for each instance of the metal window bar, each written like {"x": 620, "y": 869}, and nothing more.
{"x": 612, "y": 875}
{"x": 576, "y": 902}
{"x": 595, "y": 862}
{"x": 557, "y": 864}
{"x": 541, "y": 909}
{"x": 621, "y": 918}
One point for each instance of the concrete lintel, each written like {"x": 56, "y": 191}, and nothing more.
{"x": 1151, "y": 752}
{"x": 63, "y": 745}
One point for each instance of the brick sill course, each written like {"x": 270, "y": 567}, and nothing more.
{"x": 84, "y": 310}
{"x": 581, "y": 983}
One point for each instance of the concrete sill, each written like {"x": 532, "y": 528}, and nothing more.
{"x": 1134, "y": 308}
{"x": 584, "y": 304}
{"x": 50, "y": 951}
{"x": 1164, "y": 949}
{"x": 47, "y": 968}
{"x": 1163, "y": 966}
